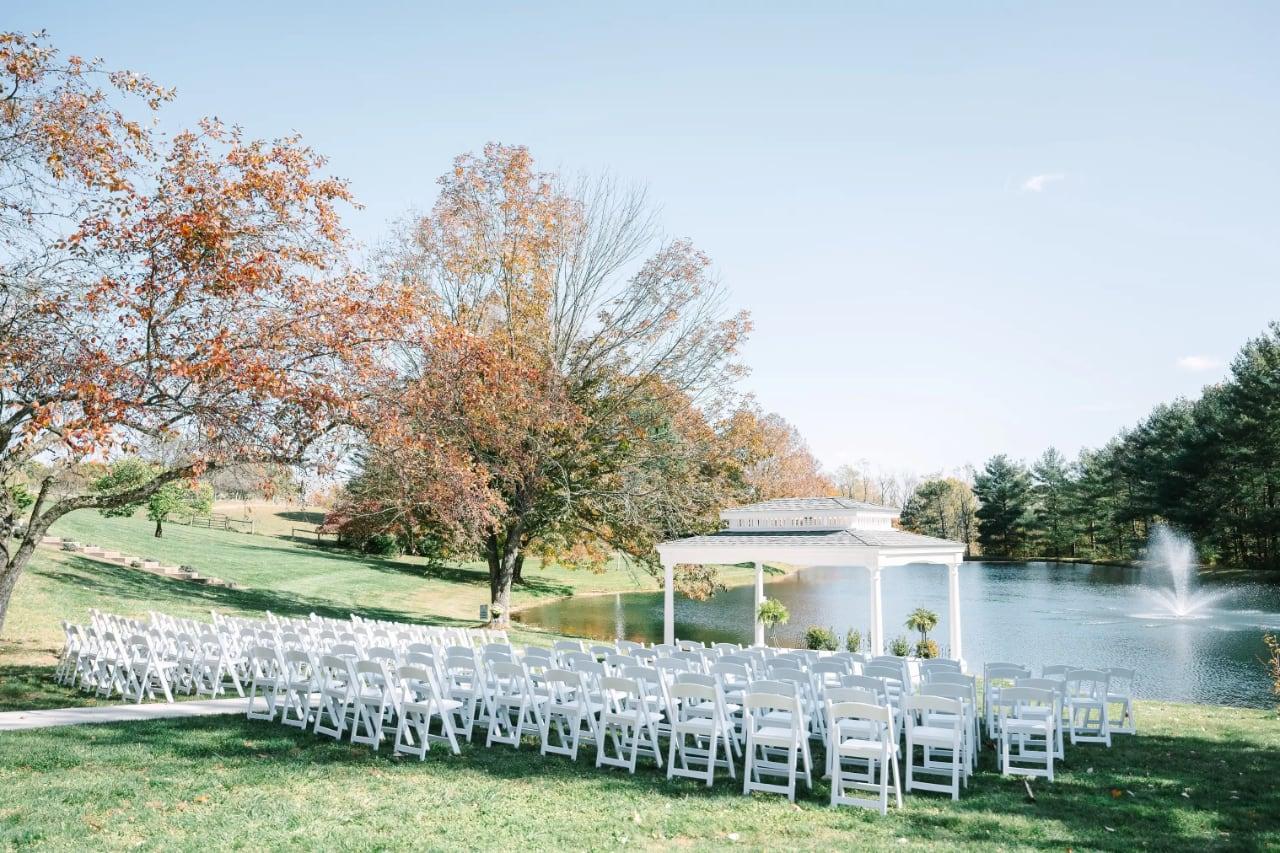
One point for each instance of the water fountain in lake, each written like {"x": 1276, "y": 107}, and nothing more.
{"x": 1174, "y": 555}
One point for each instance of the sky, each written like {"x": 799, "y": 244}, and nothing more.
{"x": 960, "y": 228}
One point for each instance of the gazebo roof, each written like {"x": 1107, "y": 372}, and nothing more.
{"x": 827, "y": 538}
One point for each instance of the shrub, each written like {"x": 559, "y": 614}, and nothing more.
{"x": 382, "y": 545}
{"x": 820, "y": 639}
{"x": 927, "y": 649}
{"x": 900, "y": 647}
{"x": 853, "y": 641}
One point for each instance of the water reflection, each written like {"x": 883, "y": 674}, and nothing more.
{"x": 1037, "y": 613}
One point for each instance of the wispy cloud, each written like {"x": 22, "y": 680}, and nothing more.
{"x": 1037, "y": 183}
{"x": 1198, "y": 363}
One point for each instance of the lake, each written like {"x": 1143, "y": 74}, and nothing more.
{"x": 1031, "y": 613}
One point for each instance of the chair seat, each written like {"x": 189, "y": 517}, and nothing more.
{"x": 861, "y": 748}
{"x": 697, "y": 725}
{"x": 933, "y": 736}
{"x": 1026, "y": 727}
{"x": 1119, "y": 697}
{"x": 774, "y": 736}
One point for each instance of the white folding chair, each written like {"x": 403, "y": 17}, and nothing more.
{"x": 1027, "y": 719}
{"x": 862, "y": 733}
{"x": 571, "y": 712}
{"x": 935, "y": 723}
{"x": 1086, "y": 706}
{"x": 337, "y": 691}
{"x": 627, "y": 722}
{"x": 421, "y": 699}
{"x": 1120, "y": 692}
{"x": 775, "y": 730}
{"x": 690, "y": 720}
{"x": 374, "y": 695}
{"x": 268, "y": 678}
{"x": 513, "y": 704}
{"x": 301, "y": 681}
{"x": 146, "y": 670}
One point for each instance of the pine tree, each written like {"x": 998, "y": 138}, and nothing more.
{"x": 1004, "y": 513}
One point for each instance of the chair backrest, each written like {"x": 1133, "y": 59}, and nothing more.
{"x": 930, "y": 668}
{"x": 755, "y": 704}
{"x": 962, "y": 692}
{"x": 928, "y": 703}
{"x": 1015, "y": 698}
{"x": 335, "y": 672}
{"x": 1122, "y": 679}
{"x": 1057, "y": 670}
{"x": 628, "y": 647}
{"x": 881, "y": 715}
{"x": 537, "y": 653}
{"x": 1009, "y": 672}
{"x": 682, "y": 690}
{"x": 867, "y": 682}
{"x": 708, "y": 681}
{"x": 775, "y": 688}
{"x": 882, "y": 670}
{"x": 574, "y": 660}
{"x": 1087, "y": 684}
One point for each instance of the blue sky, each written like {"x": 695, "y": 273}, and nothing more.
{"x": 961, "y": 228}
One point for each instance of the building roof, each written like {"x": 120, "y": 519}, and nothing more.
{"x": 831, "y": 538}
{"x": 810, "y": 505}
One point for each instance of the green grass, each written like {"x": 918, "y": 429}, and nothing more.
{"x": 1196, "y": 778}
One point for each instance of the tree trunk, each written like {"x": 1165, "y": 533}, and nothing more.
{"x": 517, "y": 575}
{"x": 159, "y": 528}
{"x": 502, "y": 552}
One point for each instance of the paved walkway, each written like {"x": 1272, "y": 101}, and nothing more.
{"x": 12, "y": 721}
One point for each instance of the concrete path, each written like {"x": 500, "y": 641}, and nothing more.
{"x": 12, "y": 721}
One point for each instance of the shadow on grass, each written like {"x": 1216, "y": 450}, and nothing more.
{"x": 1153, "y": 790}
{"x": 301, "y": 516}
{"x": 26, "y": 687}
{"x": 155, "y": 592}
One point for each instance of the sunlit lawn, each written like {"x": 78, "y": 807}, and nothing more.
{"x": 1196, "y": 778}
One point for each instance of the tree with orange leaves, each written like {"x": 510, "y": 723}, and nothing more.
{"x": 776, "y": 461}
{"x": 190, "y": 292}
{"x": 565, "y": 400}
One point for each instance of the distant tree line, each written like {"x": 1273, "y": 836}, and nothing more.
{"x": 1209, "y": 467}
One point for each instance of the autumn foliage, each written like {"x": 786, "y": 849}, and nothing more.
{"x": 191, "y": 291}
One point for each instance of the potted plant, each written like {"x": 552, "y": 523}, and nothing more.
{"x": 853, "y": 641}
{"x": 820, "y": 639}
{"x": 924, "y": 621}
{"x": 772, "y": 613}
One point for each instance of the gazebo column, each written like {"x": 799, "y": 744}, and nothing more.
{"x": 953, "y": 609}
{"x": 759, "y": 632}
{"x": 877, "y": 610}
{"x": 668, "y": 603}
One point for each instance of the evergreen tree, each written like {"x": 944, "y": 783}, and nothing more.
{"x": 1054, "y": 523}
{"x": 1004, "y": 494}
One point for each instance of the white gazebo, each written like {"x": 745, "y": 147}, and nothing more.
{"x": 816, "y": 532}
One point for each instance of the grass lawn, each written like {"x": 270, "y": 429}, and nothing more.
{"x": 1198, "y": 777}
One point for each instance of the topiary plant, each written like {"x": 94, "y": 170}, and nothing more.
{"x": 922, "y": 620}
{"x": 820, "y": 639}
{"x": 853, "y": 640}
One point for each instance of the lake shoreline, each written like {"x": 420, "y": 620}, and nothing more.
{"x": 783, "y": 571}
